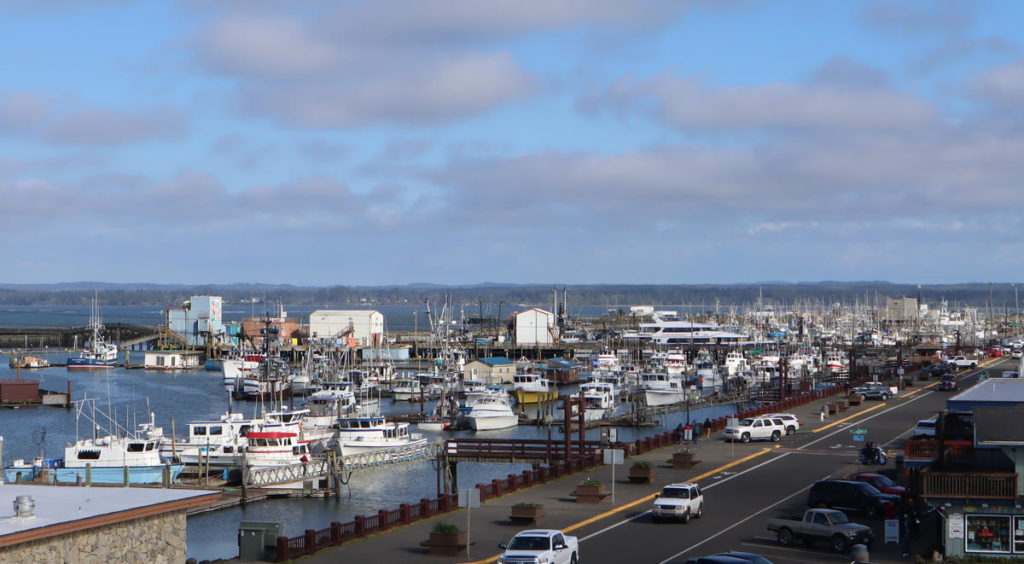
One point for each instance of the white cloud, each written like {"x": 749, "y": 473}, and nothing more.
{"x": 1002, "y": 86}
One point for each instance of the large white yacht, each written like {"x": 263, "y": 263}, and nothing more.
{"x": 489, "y": 411}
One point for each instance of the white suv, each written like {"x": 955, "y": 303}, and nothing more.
{"x": 791, "y": 421}
{"x": 756, "y": 428}
{"x": 678, "y": 501}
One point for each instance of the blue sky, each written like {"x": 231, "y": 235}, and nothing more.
{"x": 566, "y": 141}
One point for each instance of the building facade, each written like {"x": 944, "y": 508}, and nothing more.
{"x": 535, "y": 326}
{"x": 356, "y": 327}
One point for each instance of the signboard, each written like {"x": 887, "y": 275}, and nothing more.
{"x": 732, "y": 422}
{"x": 613, "y": 456}
{"x": 858, "y": 438}
{"x": 956, "y": 526}
{"x": 469, "y": 497}
{"x": 858, "y": 431}
{"x": 892, "y": 531}
{"x": 613, "y": 435}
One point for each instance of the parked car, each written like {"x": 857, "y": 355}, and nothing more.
{"x": 756, "y": 428}
{"x": 1017, "y": 353}
{"x": 541, "y": 545}
{"x": 994, "y": 352}
{"x": 873, "y": 390}
{"x": 792, "y": 421}
{"x": 938, "y": 370}
{"x": 715, "y": 559}
{"x": 679, "y": 501}
{"x": 847, "y": 494}
{"x": 925, "y": 427}
{"x": 882, "y": 483}
{"x": 949, "y": 383}
{"x": 961, "y": 361}
{"x": 821, "y": 524}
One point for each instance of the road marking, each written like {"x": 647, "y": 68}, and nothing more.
{"x": 845, "y": 419}
{"x": 738, "y": 523}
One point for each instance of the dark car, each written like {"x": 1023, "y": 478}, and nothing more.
{"x": 949, "y": 383}
{"x": 882, "y": 484}
{"x": 848, "y": 494}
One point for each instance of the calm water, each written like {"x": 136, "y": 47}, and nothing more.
{"x": 188, "y": 396}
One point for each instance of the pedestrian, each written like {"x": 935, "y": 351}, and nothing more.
{"x": 697, "y": 432}
{"x": 823, "y": 412}
{"x": 678, "y": 433}
{"x": 707, "y": 428}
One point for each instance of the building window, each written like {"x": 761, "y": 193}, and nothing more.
{"x": 1018, "y": 534}
{"x": 988, "y": 533}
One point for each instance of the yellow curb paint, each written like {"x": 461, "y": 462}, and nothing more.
{"x": 645, "y": 498}
{"x": 845, "y": 419}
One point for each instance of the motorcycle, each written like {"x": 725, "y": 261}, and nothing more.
{"x": 873, "y": 455}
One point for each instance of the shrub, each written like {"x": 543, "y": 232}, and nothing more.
{"x": 443, "y": 527}
{"x": 590, "y": 482}
{"x": 641, "y": 465}
{"x": 526, "y": 504}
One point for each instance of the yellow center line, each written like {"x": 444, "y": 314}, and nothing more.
{"x": 845, "y": 419}
{"x": 645, "y": 498}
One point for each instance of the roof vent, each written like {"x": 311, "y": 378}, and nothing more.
{"x": 24, "y": 505}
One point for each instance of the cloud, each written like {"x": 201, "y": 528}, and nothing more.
{"x": 323, "y": 151}
{"x": 39, "y": 117}
{"x": 830, "y": 102}
{"x": 349, "y": 64}
{"x": 1002, "y": 86}
{"x": 925, "y": 16}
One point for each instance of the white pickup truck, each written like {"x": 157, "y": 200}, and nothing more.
{"x": 678, "y": 501}
{"x": 540, "y": 546}
{"x": 756, "y": 428}
{"x": 962, "y": 362}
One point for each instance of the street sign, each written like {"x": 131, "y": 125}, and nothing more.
{"x": 469, "y": 497}
{"x": 858, "y": 431}
{"x": 892, "y": 531}
{"x": 614, "y": 455}
{"x": 858, "y": 438}
{"x": 613, "y": 435}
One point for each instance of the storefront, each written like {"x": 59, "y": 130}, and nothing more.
{"x": 988, "y": 534}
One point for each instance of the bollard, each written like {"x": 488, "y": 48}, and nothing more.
{"x": 859, "y": 552}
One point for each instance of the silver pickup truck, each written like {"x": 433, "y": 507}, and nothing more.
{"x": 821, "y": 524}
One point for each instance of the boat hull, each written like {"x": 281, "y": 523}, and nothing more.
{"x": 89, "y": 364}
{"x": 493, "y": 423}
{"x": 102, "y": 475}
{"x": 524, "y": 397}
{"x": 656, "y": 398}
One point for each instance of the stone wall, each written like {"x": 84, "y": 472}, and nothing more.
{"x": 158, "y": 540}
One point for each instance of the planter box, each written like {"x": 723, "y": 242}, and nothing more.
{"x": 854, "y": 399}
{"x": 642, "y": 475}
{"x": 447, "y": 544}
{"x": 833, "y": 408}
{"x": 590, "y": 494}
{"x": 683, "y": 460}
{"x": 527, "y": 514}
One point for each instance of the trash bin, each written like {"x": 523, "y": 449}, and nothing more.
{"x": 257, "y": 539}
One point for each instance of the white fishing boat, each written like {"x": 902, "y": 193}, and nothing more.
{"x": 489, "y": 411}
{"x": 268, "y": 449}
{"x": 406, "y": 389}
{"x": 735, "y": 363}
{"x": 234, "y": 370}
{"x": 99, "y": 353}
{"x": 105, "y": 459}
{"x": 331, "y": 401}
{"x": 215, "y": 443}
{"x": 662, "y": 389}
{"x": 358, "y": 435}
{"x": 601, "y": 400}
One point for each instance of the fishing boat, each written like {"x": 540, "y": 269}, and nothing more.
{"x": 237, "y": 369}
{"x": 358, "y": 435}
{"x": 103, "y": 459}
{"x": 215, "y": 443}
{"x": 601, "y": 400}
{"x": 28, "y": 361}
{"x": 529, "y": 389}
{"x": 99, "y": 353}
{"x": 489, "y": 411}
{"x": 407, "y": 389}
{"x": 268, "y": 449}
{"x": 662, "y": 389}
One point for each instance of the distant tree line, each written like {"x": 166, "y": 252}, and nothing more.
{"x": 1001, "y": 296}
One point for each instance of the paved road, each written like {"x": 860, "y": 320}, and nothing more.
{"x": 737, "y": 505}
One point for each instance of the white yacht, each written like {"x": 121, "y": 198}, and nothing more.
{"x": 489, "y": 411}
{"x": 406, "y": 389}
{"x": 601, "y": 400}
{"x": 268, "y": 449}
{"x": 735, "y": 363}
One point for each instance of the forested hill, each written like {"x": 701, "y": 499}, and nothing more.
{"x": 1000, "y": 296}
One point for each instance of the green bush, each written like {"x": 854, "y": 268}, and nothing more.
{"x": 590, "y": 482}
{"x": 641, "y": 465}
{"x": 443, "y": 527}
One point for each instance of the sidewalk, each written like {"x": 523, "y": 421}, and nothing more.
{"x": 490, "y": 524}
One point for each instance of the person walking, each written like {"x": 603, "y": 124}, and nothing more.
{"x": 697, "y": 432}
{"x": 707, "y": 428}
{"x": 823, "y": 412}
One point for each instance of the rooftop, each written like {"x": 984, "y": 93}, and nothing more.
{"x": 66, "y": 509}
{"x": 993, "y": 391}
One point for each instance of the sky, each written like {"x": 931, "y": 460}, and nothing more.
{"x": 344, "y": 142}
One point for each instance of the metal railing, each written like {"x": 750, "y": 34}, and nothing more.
{"x": 969, "y": 485}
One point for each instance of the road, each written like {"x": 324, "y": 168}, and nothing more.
{"x": 738, "y": 504}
